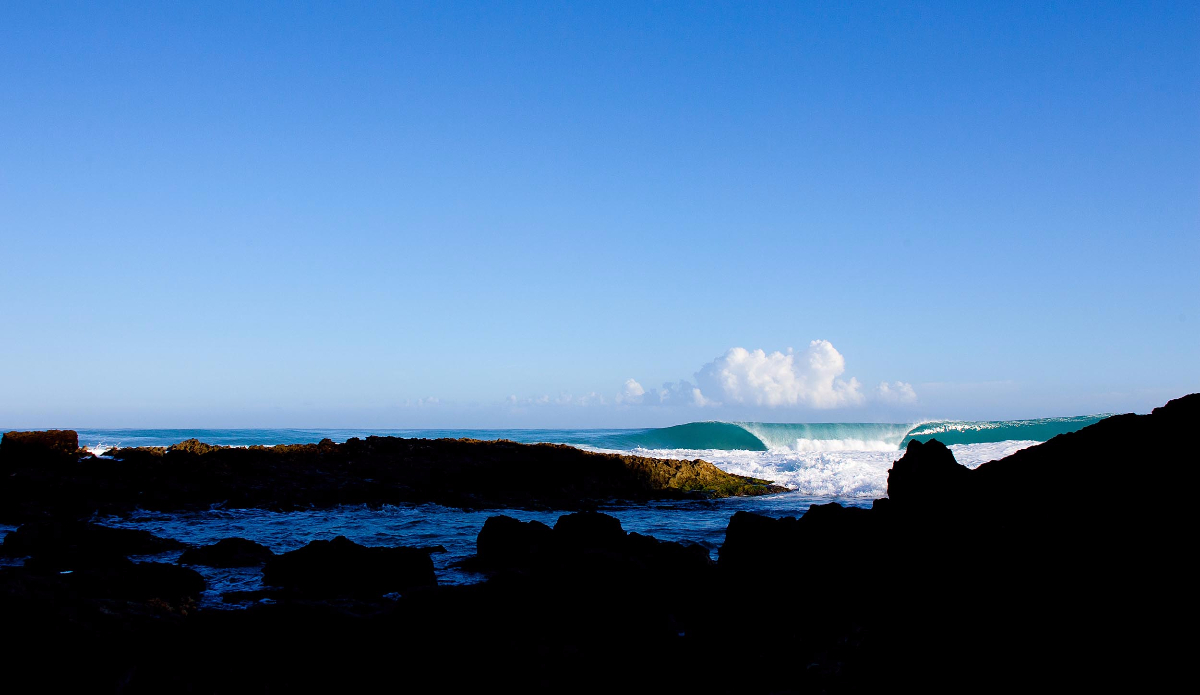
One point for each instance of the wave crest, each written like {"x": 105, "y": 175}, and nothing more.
{"x": 832, "y": 437}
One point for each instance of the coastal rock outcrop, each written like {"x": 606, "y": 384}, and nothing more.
{"x": 228, "y": 552}
{"x": 49, "y": 446}
{"x": 927, "y": 474}
{"x": 343, "y": 567}
{"x": 73, "y": 544}
{"x": 1062, "y": 567}
{"x": 376, "y": 470}
{"x": 586, "y": 548}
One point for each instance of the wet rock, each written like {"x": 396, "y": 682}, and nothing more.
{"x": 228, "y": 552}
{"x": 342, "y": 567}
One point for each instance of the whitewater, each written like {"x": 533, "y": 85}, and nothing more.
{"x": 845, "y": 463}
{"x": 835, "y": 460}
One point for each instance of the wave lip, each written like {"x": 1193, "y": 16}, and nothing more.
{"x": 850, "y": 436}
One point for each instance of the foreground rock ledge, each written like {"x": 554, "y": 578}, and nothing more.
{"x": 375, "y": 470}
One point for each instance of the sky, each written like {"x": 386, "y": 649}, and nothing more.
{"x": 607, "y": 215}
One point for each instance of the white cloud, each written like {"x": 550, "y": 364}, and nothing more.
{"x": 632, "y": 393}
{"x": 896, "y": 392}
{"x": 810, "y": 378}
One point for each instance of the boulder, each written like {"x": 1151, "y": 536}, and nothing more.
{"x": 341, "y": 567}
{"x": 586, "y": 549}
{"x": 589, "y": 530}
{"x": 228, "y": 552}
{"x": 507, "y": 542}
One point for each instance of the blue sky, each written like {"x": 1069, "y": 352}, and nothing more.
{"x": 476, "y": 214}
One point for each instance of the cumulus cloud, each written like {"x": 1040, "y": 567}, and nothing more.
{"x": 810, "y": 378}
{"x": 896, "y": 392}
{"x": 632, "y": 392}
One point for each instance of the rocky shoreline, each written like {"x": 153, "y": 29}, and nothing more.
{"x": 45, "y": 473}
{"x": 1044, "y": 570}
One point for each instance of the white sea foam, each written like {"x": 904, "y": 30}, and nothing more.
{"x": 811, "y": 445}
{"x": 831, "y": 471}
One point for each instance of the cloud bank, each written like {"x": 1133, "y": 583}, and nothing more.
{"x": 812, "y": 379}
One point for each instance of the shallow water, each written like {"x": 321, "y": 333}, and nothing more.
{"x": 818, "y": 470}
{"x": 702, "y": 522}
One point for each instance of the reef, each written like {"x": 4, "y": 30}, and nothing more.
{"x": 65, "y": 482}
{"x": 1048, "y": 570}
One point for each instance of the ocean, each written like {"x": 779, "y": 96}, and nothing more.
{"x": 824, "y": 462}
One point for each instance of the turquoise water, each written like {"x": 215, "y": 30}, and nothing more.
{"x": 846, "y": 463}
{"x": 833, "y": 460}
{"x": 719, "y": 436}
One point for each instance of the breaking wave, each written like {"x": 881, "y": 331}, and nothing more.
{"x": 814, "y": 437}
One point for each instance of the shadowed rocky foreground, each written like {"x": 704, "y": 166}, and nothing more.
{"x": 1060, "y": 567}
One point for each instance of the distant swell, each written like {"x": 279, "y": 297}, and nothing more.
{"x": 815, "y": 437}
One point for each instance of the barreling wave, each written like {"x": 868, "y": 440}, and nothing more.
{"x": 813, "y": 437}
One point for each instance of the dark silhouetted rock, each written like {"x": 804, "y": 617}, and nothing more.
{"x": 583, "y": 530}
{"x": 585, "y": 548}
{"x": 77, "y": 544}
{"x": 376, "y": 470}
{"x": 343, "y": 567}
{"x": 51, "y": 446}
{"x": 1062, "y": 567}
{"x": 927, "y": 473}
{"x": 228, "y": 552}
{"x": 138, "y": 581}
{"x": 505, "y": 541}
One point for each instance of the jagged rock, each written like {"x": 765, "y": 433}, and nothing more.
{"x": 343, "y": 567}
{"x": 228, "y": 552}
{"x": 927, "y": 473}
